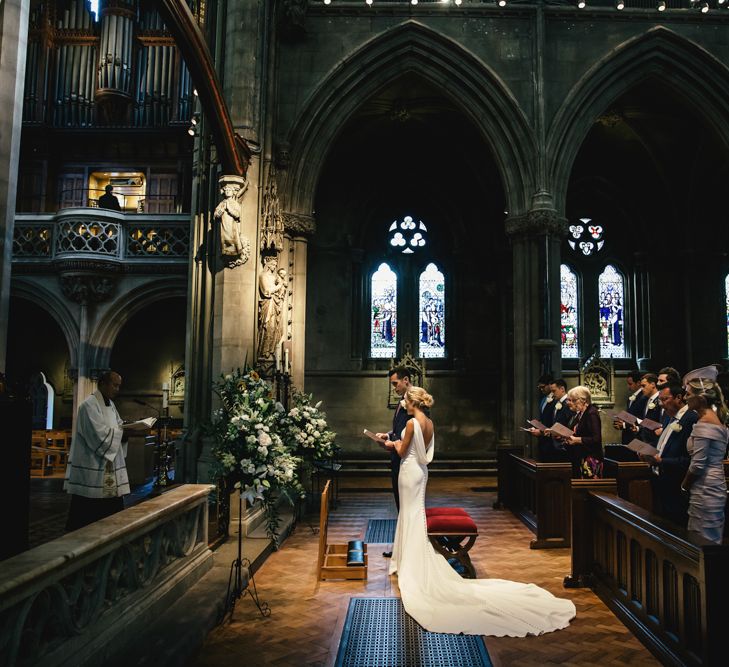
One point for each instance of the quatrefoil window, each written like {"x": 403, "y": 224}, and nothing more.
{"x": 586, "y": 237}
{"x": 408, "y": 235}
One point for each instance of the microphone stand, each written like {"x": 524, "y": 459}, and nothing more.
{"x": 237, "y": 588}
{"x": 160, "y": 450}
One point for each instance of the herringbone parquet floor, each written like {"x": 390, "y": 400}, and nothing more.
{"x": 307, "y": 615}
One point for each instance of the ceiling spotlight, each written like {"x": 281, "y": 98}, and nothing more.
{"x": 369, "y": 2}
{"x": 502, "y": 3}
{"x": 191, "y": 130}
{"x": 620, "y": 4}
{"x": 193, "y": 120}
{"x": 458, "y": 2}
{"x": 581, "y": 4}
{"x": 721, "y": 2}
{"x": 327, "y": 2}
{"x": 661, "y": 6}
{"x": 704, "y": 7}
{"x": 413, "y": 2}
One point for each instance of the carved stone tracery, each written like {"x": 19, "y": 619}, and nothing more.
{"x": 84, "y": 288}
{"x": 598, "y": 375}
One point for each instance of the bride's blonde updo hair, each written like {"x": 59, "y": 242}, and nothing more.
{"x": 419, "y": 397}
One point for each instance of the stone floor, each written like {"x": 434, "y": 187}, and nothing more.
{"x": 307, "y": 615}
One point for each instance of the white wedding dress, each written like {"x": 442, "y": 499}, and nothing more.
{"x": 436, "y": 596}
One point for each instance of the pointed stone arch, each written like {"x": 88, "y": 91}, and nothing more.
{"x": 55, "y": 306}
{"x": 658, "y": 53}
{"x": 114, "y": 318}
{"x": 411, "y": 47}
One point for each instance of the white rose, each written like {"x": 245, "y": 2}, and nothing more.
{"x": 558, "y": 406}
{"x": 403, "y": 404}
{"x": 651, "y": 405}
{"x": 264, "y": 439}
{"x": 676, "y": 427}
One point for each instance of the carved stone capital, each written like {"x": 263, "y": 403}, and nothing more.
{"x": 299, "y": 224}
{"x": 85, "y": 288}
{"x": 537, "y": 222}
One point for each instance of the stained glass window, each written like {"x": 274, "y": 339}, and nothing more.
{"x": 568, "y": 309}
{"x": 432, "y": 313}
{"x": 726, "y": 296}
{"x": 408, "y": 235}
{"x": 586, "y": 237}
{"x": 611, "y": 294}
{"x": 383, "y": 322}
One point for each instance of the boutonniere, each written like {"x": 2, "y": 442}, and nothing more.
{"x": 402, "y": 403}
{"x": 558, "y": 406}
{"x": 550, "y": 398}
{"x": 652, "y": 405}
{"x": 677, "y": 427}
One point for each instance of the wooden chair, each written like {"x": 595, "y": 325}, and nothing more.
{"x": 333, "y": 557}
{"x": 452, "y": 533}
{"x": 59, "y": 446}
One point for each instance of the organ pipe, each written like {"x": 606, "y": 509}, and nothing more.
{"x": 75, "y": 63}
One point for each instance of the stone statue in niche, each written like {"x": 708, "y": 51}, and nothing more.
{"x": 272, "y": 285}
{"x": 234, "y": 249}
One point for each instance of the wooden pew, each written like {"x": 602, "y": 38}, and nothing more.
{"x": 539, "y": 495}
{"x": 667, "y": 585}
{"x": 633, "y": 480}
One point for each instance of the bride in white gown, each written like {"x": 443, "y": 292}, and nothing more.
{"x": 432, "y": 592}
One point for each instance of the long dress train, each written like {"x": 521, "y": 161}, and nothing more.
{"x": 436, "y": 596}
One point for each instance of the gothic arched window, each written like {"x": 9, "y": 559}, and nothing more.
{"x": 383, "y": 312}
{"x": 432, "y": 313}
{"x": 569, "y": 313}
{"x": 611, "y": 307}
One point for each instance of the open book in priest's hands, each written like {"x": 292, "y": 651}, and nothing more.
{"x": 140, "y": 424}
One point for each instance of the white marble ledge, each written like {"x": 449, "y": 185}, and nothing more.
{"x": 36, "y": 567}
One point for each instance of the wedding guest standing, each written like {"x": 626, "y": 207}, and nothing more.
{"x": 635, "y": 405}
{"x": 671, "y": 462}
{"x": 705, "y": 481}
{"x": 585, "y": 446}
{"x": 652, "y": 410}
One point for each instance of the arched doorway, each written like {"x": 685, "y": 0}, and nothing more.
{"x": 410, "y": 154}
{"x": 36, "y": 344}
{"x": 650, "y": 177}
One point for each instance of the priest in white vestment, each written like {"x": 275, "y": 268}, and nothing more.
{"x": 96, "y": 475}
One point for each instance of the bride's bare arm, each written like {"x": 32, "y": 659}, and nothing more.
{"x": 401, "y": 446}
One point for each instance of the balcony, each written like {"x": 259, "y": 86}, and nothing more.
{"x": 121, "y": 240}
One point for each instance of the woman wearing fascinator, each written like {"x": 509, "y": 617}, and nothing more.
{"x": 707, "y": 446}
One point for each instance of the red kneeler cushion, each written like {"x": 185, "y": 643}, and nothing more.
{"x": 445, "y": 511}
{"x": 455, "y": 524}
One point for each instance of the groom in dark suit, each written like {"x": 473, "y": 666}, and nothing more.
{"x": 672, "y": 460}
{"x": 400, "y": 381}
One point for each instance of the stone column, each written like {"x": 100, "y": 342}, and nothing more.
{"x": 299, "y": 226}
{"x": 235, "y": 224}
{"x": 536, "y": 239}
{"x": 84, "y": 289}
{"x": 642, "y": 309}
{"x": 13, "y": 47}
